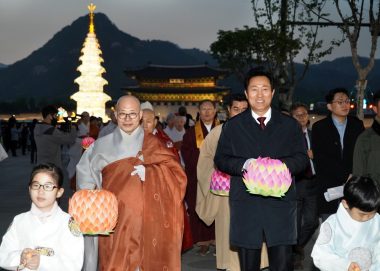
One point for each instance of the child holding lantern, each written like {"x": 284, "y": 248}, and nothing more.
{"x": 44, "y": 238}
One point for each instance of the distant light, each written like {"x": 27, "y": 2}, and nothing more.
{"x": 352, "y": 106}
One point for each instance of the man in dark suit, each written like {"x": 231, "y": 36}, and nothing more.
{"x": 333, "y": 142}
{"x": 261, "y": 131}
{"x": 306, "y": 187}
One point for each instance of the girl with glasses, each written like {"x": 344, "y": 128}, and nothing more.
{"x": 44, "y": 238}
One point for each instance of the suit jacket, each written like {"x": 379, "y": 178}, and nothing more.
{"x": 308, "y": 182}
{"x": 253, "y": 215}
{"x": 332, "y": 163}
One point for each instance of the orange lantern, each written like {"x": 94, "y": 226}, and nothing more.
{"x": 94, "y": 210}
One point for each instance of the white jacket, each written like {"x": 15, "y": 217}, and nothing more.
{"x": 55, "y": 232}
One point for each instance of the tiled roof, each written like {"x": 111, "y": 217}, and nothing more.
{"x": 176, "y": 90}
{"x": 162, "y": 72}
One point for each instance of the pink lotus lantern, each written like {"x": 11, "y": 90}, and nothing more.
{"x": 87, "y": 141}
{"x": 267, "y": 177}
{"x": 220, "y": 183}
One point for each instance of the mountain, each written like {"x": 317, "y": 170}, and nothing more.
{"x": 48, "y": 73}
{"x": 331, "y": 74}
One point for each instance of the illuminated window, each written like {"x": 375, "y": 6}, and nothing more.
{"x": 176, "y": 81}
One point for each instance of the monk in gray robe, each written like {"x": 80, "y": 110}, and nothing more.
{"x": 149, "y": 184}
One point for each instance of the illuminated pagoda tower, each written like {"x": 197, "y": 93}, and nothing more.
{"x": 90, "y": 96}
{"x": 169, "y": 87}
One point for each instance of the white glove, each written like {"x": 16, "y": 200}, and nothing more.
{"x": 139, "y": 170}
{"x": 246, "y": 163}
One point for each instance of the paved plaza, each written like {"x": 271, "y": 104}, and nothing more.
{"x": 14, "y": 198}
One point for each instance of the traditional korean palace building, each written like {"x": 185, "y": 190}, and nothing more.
{"x": 169, "y": 87}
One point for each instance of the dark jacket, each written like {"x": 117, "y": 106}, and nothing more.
{"x": 333, "y": 165}
{"x": 367, "y": 152}
{"x": 252, "y": 215}
{"x": 307, "y": 177}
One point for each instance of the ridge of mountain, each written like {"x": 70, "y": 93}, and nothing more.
{"x": 48, "y": 73}
{"x": 339, "y": 72}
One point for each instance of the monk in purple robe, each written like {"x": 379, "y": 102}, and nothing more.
{"x": 203, "y": 235}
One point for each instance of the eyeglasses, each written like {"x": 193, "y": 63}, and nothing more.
{"x": 123, "y": 115}
{"x": 345, "y": 102}
{"x": 46, "y": 187}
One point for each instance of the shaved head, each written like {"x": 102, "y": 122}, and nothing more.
{"x": 148, "y": 120}
{"x": 128, "y": 113}
{"x": 129, "y": 99}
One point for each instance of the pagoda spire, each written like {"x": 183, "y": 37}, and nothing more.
{"x": 90, "y": 96}
{"x": 91, "y": 7}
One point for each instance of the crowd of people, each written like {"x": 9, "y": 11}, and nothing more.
{"x": 160, "y": 173}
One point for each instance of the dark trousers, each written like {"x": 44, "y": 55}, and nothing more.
{"x": 307, "y": 212}
{"x": 280, "y": 258}
{"x": 14, "y": 147}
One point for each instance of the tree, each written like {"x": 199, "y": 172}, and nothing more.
{"x": 352, "y": 14}
{"x": 274, "y": 43}
{"x": 242, "y": 49}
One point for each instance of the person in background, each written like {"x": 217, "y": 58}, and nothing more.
{"x": 261, "y": 131}
{"x": 182, "y": 111}
{"x": 211, "y": 207}
{"x": 33, "y": 147}
{"x": 306, "y": 188}
{"x": 111, "y": 125}
{"x": 203, "y": 235}
{"x": 49, "y": 138}
{"x": 149, "y": 123}
{"x": 94, "y": 127}
{"x": 349, "y": 239}
{"x": 178, "y": 131}
{"x": 14, "y": 138}
{"x": 24, "y": 135}
{"x": 333, "y": 142}
{"x": 44, "y": 238}
{"x": 367, "y": 148}
{"x": 170, "y": 120}
{"x": 75, "y": 150}
{"x": 149, "y": 185}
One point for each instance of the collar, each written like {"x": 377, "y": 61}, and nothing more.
{"x": 267, "y": 116}
{"x": 208, "y": 126}
{"x": 43, "y": 216}
{"x": 337, "y": 122}
{"x": 134, "y": 135}
{"x": 347, "y": 221}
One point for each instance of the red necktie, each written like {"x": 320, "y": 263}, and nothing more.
{"x": 262, "y": 124}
